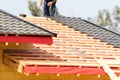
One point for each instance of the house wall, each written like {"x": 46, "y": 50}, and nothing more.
{"x": 7, "y": 73}
{"x": 13, "y": 46}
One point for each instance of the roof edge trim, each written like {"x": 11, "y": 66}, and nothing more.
{"x": 101, "y": 27}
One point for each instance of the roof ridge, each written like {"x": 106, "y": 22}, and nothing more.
{"x": 27, "y": 22}
{"x": 100, "y": 27}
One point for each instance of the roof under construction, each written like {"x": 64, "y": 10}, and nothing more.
{"x": 80, "y": 48}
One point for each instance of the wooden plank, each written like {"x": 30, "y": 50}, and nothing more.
{"x": 60, "y": 63}
{"x": 33, "y": 58}
{"x": 114, "y": 62}
{"x": 117, "y": 71}
{"x": 108, "y": 70}
{"x": 64, "y": 57}
{"x": 10, "y": 63}
{"x": 29, "y": 54}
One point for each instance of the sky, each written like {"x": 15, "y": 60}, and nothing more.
{"x": 69, "y": 8}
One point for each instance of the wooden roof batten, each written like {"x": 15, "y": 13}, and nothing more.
{"x": 102, "y": 50}
{"x": 67, "y": 62}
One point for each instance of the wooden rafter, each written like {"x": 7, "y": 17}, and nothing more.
{"x": 108, "y": 70}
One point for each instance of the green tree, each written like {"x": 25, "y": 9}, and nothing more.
{"x": 34, "y": 8}
{"x": 57, "y": 13}
{"x": 107, "y": 19}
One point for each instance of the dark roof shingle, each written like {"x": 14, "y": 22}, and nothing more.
{"x": 10, "y": 24}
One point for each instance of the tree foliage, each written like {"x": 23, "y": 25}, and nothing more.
{"x": 57, "y": 12}
{"x": 34, "y": 9}
{"x": 107, "y": 19}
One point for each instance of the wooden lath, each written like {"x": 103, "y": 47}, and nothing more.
{"x": 108, "y": 70}
{"x": 41, "y": 58}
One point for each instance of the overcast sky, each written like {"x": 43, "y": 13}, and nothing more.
{"x": 72, "y": 8}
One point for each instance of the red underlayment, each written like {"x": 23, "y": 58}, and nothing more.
{"x": 63, "y": 70}
{"x": 27, "y": 39}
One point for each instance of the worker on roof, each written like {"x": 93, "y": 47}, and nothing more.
{"x": 49, "y": 7}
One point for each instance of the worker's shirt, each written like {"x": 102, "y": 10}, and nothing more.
{"x": 47, "y": 1}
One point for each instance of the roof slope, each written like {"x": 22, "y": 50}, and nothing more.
{"x": 77, "y": 47}
{"x": 75, "y": 43}
{"x": 10, "y": 24}
{"x": 90, "y": 29}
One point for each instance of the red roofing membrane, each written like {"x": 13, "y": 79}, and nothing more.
{"x": 27, "y": 39}
{"x": 63, "y": 70}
